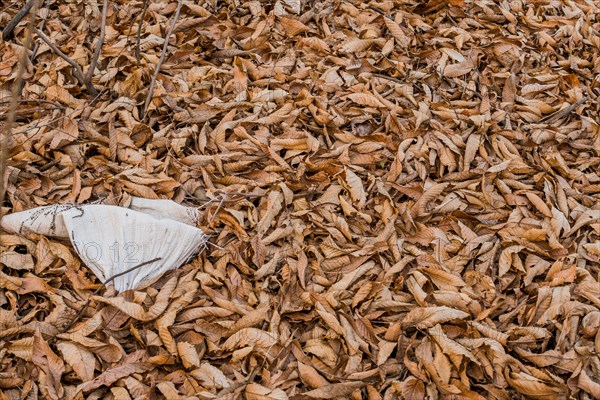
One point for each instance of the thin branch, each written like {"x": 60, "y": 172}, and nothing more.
{"x": 377, "y": 10}
{"x": 14, "y": 101}
{"x": 77, "y": 72}
{"x": 89, "y": 300}
{"x": 21, "y": 101}
{"x": 12, "y": 24}
{"x": 139, "y": 32}
{"x": 216, "y": 212}
{"x": 162, "y": 57}
{"x": 78, "y": 109}
{"x": 564, "y": 112}
{"x": 92, "y": 68}
{"x": 389, "y": 78}
{"x": 77, "y": 69}
{"x": 36, "y": 46}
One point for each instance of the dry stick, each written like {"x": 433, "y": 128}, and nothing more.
{"x": 37, "y": 45}
{"x": 55, "y": 120}
{"x": 87, "y": 303}
{"x": 216, "y": 212}
{"x": 139, "y": 32}
{"x": 162, "y": 57}
{"x": 55, "y": 104}
{"x": 92, "y": 68}
{"x": 16, "y": 19}
{"x": 46, "y": 124}
{"x": 12, "y": 109}
{"x": 77, "y": 71}
{"x": 564, "y": 112}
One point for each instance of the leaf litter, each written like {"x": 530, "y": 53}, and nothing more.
{"x": 402, "y": 198}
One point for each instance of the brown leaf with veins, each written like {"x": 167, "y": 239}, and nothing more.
{"x": 51, "y": 367}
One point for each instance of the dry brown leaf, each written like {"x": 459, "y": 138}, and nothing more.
{"x": 254, "y": 391}
{"x": 311, "y": 376}
{"x": 356, "y": 189}
{"x": 51, "y": 367}
{"x": 112, "y": 375}
{"x": 420, "y": 207}
{"x": 334, "y": 390}
{"x": 426, "y": 317}
{"x": 79, "y": 358}
{"x": 532, "y": 387}
{"x": 211, "y": 376}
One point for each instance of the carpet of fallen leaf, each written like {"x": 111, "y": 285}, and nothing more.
{"x": 403, "y": 200}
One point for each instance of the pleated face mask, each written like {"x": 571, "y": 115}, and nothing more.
{"x": 129, "y": 249}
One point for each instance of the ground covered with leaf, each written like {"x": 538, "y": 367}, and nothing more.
{"x": 403, "y": 198}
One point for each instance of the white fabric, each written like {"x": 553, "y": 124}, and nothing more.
{"x": 111, "y": 239}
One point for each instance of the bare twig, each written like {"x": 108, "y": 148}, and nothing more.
{"x": 14, "y": 101}
{"x": 21, "y": 101}
{"x": 162, "y": 57}
{"x": 48, "y": 123}
{"x": 87, "y": 303}
{"x": 92, "y": 67}
{"x": 139, "y": 32}
{"x": 77, "y": 71}
{"x": 389, "y": 78}
{"x": 377, "y": 10}
{"x": 36, "y": 46}
{"x": 564, "y": 112}
{"x": 217, "y": 212}
{"x": 12, "y": 24}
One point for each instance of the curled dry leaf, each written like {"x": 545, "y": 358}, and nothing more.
{"x": 356, "y": 189}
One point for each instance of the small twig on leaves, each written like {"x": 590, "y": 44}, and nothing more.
{"x": 12, "y": 24}
{"x": 89, "y": 300}
{"x": 21, "y": 101}
{"x": 14, "y": 101}
{"x": 377, "y": 10}
{"x": 564, "y": 112}
{"x": 77, "y": 71}
{"x": 162, "y": 57}
{"x": 48, "y": 123}
{"x": 92, "y": 68}
{"x": 216, "y": 212}
{"x": 216, "y": 246}
{"x": 138, "y": 57}
{"x": 36, "y": 46}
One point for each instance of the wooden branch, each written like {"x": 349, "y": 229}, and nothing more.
{"x": 162, "y": 57}
{"x": 48, "y": 123}
{"x": 54, "y": 103}
{"x": 139, "y": 32}
{"x": 97, "y": 51}
{"x": 564, "y": 112}
{"x": 12, "y": 24}
{"x": 36, "y": 46}
{"x": 77, "y": 71}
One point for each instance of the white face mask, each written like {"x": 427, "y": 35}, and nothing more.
{"x": 112, "y": 240}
